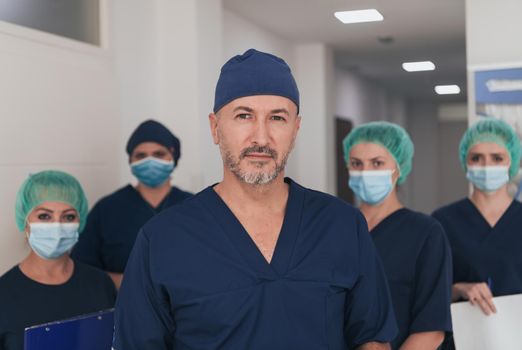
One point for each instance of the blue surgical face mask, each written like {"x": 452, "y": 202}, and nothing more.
{"x": 488, "y": 178}
{"x": 151, "y": 171}
{"x": 371, "y": 186}
{"x": 52, "y": 240}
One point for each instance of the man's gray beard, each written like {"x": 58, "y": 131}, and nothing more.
{"x": 254, "y": 178}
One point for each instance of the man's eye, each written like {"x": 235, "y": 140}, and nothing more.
{"x": 44, "y": 217}
{"x": 498, "y": 158}
{"x": 278, "y": 118}
{"x": 160, "y": 154}
{"x": 243, "y": 116}
{"x": 355, "y": 163}
{"x": 475, "y": 158}
{"x": 378, "y": 163}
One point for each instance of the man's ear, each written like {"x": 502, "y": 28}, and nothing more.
{"x": 298, "y": 125}
{"x": 213, "y": 121}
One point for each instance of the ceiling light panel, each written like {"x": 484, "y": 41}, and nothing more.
{"x": 359, "y": 16}
{"x": 447, "y": 89}
{"x": 418, "y": 66}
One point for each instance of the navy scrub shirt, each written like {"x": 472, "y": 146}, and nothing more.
{"x": 196, "y": 280}
{"x": 482, "y": 253}
{"x": 416, "y": 257}
{"x": 113, "y": 224}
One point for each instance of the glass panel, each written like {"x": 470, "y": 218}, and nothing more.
{"x": 75, "y": 19}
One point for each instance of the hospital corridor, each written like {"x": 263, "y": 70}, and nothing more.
{"x": 260, "y": 175}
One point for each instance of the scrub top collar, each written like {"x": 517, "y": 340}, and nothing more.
{"x": 384, "y": 221}
{"x": 163, "y": 204}
{"x": 244, "y": 244}
{"x": 481, "y": 220}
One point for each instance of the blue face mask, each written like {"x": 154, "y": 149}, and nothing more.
{"x": 151, "y": 171}
{"x": 52, "y": 240}
{"x": 371, "y": 186}
{"x": 488, "y": 178}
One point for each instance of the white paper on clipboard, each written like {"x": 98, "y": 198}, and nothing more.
{"x": 473, "y": 330}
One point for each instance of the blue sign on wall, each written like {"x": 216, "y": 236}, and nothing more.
{"x": 499, "y": 86}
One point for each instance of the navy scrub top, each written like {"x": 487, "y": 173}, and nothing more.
{"x": 196, "y": 280}
{"x": 417, "y": 260}
{"x": 25, "y": 302}
{"x": 113, "y": 224}
{"x": 482, "y": 253}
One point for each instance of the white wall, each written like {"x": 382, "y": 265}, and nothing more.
{"x": 357, "y": 99}
{"x": 190, "y": 44}
{"x": 493, "y": 31}
{"x": 315, "y": 145}
{"x": 135, "y": 60}
{"x": 59, "y": 110}
{"x": 240, "y": 35}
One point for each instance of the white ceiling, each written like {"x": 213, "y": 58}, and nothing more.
{"x": 422, "y": 30}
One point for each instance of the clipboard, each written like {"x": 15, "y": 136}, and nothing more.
{"x": 86, "y": 332}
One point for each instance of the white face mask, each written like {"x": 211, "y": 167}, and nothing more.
{"x": 371, "y": 186}
{"x": 52, "y": 240}
{"x": 488, "y": 178}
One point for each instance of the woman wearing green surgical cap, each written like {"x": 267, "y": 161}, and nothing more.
{"x": 48, "y": 285}
{"x": 484, "y": 229}
{"x": 412, "y": 246}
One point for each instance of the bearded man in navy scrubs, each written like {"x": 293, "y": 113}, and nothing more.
{"x": 256, "y": 261}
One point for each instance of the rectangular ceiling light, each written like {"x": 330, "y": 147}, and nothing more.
{"x": 359, "y": 16}
{"x": 447, "y": 89}
{"x": 418, "y": 66}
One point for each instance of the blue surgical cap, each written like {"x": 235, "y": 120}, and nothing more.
{"x": 152, "y": 131}
{"x": 255, "y": 73}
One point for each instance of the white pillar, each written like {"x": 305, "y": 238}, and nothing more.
{"x": 313, "y": 67}
{"x": 493, "y": 31}
{"x": 189, "y": 58}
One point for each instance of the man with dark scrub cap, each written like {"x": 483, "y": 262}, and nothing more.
{"x": 114, "y": 222}
{"x": 256, "y": 261}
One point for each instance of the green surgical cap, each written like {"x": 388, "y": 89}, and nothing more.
{"x": 49, "y": 186}
{"x": 391, "y": 136}
{"x": 492, "y": 130}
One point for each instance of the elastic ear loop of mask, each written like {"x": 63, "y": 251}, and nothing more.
{"x": 27, "y": 229}
{"x": 27, "y": 224}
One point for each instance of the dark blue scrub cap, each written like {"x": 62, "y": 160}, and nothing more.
{"x": 152, "y": 131}
{"x": 255, "y": 73}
